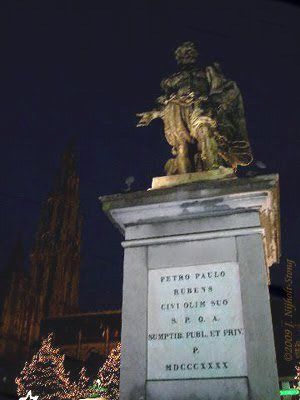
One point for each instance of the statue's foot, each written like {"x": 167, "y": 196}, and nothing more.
{"x": 171, "y": 167}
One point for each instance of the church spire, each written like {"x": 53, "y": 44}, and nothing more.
{"x": 13, "y": 303}
{"x": 67, "y": 169}
{"x": 13, "y": 270}
{"x": 16, "y": 260}
{"x": 55, "y": 260}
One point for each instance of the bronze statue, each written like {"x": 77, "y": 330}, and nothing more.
{"x": 203, "y": 117}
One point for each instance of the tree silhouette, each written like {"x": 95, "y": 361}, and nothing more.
{"x": 109, "y": 374}
{"x": 45, "y": 375}
{"x": 81, "y": 387}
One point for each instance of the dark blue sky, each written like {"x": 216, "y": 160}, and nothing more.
{"x": 85, "y": 68}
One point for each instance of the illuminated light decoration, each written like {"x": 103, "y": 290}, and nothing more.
{"x": 109, "y": 374}
{"x": 96, "y": 390}
{"x": 81, "y": 388}
{"x": 297, "y": 378}
{"x": 296, "y": 389}
{"x": 289, "y": 392}
{"x": 45, "y": 375}
{"x": 29, "y": 396}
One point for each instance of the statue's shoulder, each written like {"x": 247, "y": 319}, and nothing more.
{"x": 171, "y": 81}
{"x": 199, "y": 73}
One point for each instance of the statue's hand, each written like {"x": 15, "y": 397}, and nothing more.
{"x": 147, "y": 117}
{"x": 221, "y": 108}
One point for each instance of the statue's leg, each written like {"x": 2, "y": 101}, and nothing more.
{"x": 208, "y": 150}
{"x": 197, "y": 157}
{"x": 171, "y": 166}
{"x": 183, "y": 161}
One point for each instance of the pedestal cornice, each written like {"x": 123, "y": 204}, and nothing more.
{"x": 203, "y": 199}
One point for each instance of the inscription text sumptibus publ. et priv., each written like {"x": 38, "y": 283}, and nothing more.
{"x": 195, "y": 324}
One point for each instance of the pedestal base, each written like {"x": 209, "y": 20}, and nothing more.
{"x": 196, "y": 320}
{"x": 176, "y": 180}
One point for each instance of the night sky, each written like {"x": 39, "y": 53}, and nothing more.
{"x": 84, "y": 68}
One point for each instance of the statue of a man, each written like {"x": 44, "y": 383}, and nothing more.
{"x": 203, "y": 117}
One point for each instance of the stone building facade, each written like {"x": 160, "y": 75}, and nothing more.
{"x": 55, "y": 260}
{"x": 47, "y": 293}
{"x": 14, "y": 298}
{"x": 85, "y": 337}
{"x": 50, "y": 287}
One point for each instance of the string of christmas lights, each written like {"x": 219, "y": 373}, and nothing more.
{"x": 109, "y": 374}
{"x": 46, "y": 378}
{"x": 81, "y": 388}
{"x": 297, "y": 377}
{"x": 45, "y": 375}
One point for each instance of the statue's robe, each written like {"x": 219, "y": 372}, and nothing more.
{"x": 207, "y": 109}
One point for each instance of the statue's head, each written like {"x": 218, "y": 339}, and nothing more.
{"x": 186, "y": 53}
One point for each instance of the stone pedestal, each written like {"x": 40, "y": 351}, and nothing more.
{"x": 196, "y": 320}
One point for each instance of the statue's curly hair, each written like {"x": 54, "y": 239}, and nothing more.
{"x": 186, "y": 53}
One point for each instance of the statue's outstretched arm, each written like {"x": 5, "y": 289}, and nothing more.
{"x": 148, "y": 116}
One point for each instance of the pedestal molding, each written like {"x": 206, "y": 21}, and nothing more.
{"x": 203, "y": 199}
{"x": 178, "y": 210}
{"x": 192, "y": 237}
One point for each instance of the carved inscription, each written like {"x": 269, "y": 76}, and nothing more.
{"x": 195, "y": 324}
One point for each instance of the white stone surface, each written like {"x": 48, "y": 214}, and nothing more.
{"x": 191, "y": 253}
{"x": 195, "y": 324}
{"x": 196, "y": 225}
{"x": 189, "y": 202}
{"x": 199, "y": 389}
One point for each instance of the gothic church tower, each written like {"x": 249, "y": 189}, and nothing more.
{"x": 14, "y": 287}
{"x": 55, "y": 260}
